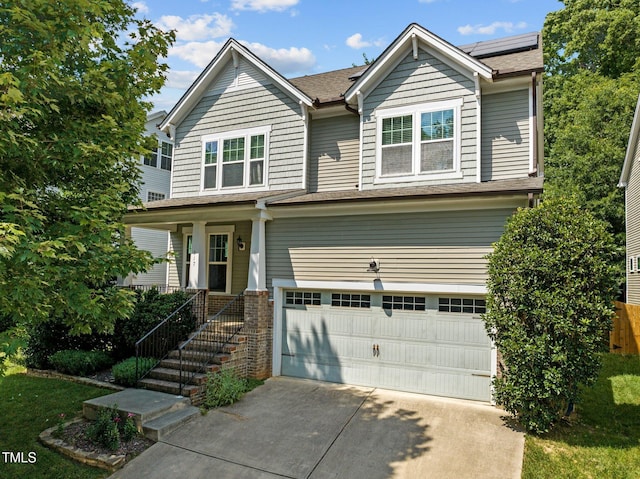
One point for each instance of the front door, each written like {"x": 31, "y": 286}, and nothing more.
{"x": 219, "y": 263}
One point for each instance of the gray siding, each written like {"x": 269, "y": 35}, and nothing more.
{"x": 505, "y": 135}
{"x": 435, "y": 247}
{"x": 155, "y": 242}
{"x": 176, "y": 265}
{"x": 633, "y": 226}
{"x": 333, "y": 162}
{"x": 421, "y": 81}
{"x": 154, "y": 179}
{"x": 236, "y": 110}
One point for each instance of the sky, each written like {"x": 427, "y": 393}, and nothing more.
{"x": 303, "y": 37}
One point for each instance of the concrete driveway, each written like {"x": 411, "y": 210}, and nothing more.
{"x": 296, "y": 428}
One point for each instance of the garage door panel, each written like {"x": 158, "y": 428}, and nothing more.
{"x": 446, "y": 354}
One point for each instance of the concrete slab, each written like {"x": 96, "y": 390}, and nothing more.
{"x": 305, "y": 429}
{"x": 146, "y": 405}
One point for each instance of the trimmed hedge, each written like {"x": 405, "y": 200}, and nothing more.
{"x": 124, "y": 373}
{"x": 80, "y": 363}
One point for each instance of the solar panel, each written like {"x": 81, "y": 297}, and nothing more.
{"x": 502, "y": 46}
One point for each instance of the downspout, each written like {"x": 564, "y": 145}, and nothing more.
{"x": 360, "y": 99}
{"x": 534, "y": 120}
{"x": 476, "y": 79}
{"x": 305, "y": 143}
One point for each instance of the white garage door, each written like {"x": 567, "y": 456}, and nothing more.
{"x": 426, "y": 344}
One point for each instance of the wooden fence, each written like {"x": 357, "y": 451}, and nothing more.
{"x": 625, "y": 336}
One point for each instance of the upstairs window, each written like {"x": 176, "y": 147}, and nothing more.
{"x": 419, "y": 141}
{"x": 235, "y": 160}
{"x": 160, "y": 157}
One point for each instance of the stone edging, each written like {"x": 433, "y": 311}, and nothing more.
{"x": 41, "y": 373}
{"x": 110, "y": 462}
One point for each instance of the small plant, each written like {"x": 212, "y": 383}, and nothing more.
{"x": 59, "y": 431}
{"x": 104, "y": 430}
{"x": 80, "y": 363}
{"x": 129, "y": 428}
{"x": 224, "y": 388}
{"x": 124, "y": 373}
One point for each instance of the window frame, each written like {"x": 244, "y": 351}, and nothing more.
{"x": 477, "y": 305}
{"x": 219, "y": 139}
{"x": 416, "y": 111}
{"x": 160, "y": 196}
{"x": 163, "y": 158}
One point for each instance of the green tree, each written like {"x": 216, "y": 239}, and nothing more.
{"x": 73, "y": 77}
{"x": 592, "y": 63}
{"x": 552, "y": 281}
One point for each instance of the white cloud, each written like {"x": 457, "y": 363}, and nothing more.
{"x": 141, "y": 7}
{"x": 197, "y": 27}
{"x": 181, "y": 78}
{"x": 198, "y": 53}
{"x": 284, "y": 60}
{"x": 263, "y": 5}
{"x": 508, "y": 27}
{"x": 355, "y": 41}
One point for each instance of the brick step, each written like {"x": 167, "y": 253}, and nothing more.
{"x": 188, "y": 365}
{"x": 173, "y": 375}
{"x": 227, "y": 337}
{"x": 229, "y": 325}
{"x": 169, "y": 387}
{"x": 207, "y": 345}
{"x": 189, "y": 355}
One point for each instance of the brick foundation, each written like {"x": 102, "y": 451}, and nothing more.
{"x": 258, "y": 327}
{"x": 216, "y": 302}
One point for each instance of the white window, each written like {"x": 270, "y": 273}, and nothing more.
{"x": 633, "y": 264}
{"x": 462, "y": 305}
{"x": 235, "y": 160}
{"x": 302, "y": 298}
{"x": 419, "y": 142}
{"x": 166, "y": 153}
{"x": 163, "y": 153}
{"x": 153, "y": 196}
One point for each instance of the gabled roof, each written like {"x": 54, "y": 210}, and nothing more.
{"x": 216, "y": 66}
{"x": 328, "y": 87}
{"x": 415, "y": 33}
{"x": 631, "y": 147}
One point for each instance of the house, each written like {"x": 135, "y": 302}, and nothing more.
{"x": 155, "y": 186}
{"x": 354, "y": 208}
{"x": 630, "y": 181}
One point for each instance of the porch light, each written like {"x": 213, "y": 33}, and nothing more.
{"x": 374, "y": 266}
{"x": 241, "y": 244}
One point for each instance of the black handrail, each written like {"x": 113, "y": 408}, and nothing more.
{"x": 211, "y": 337}
{"x": 166, "y": 335}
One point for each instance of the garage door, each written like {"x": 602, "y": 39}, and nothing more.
{"x": 425, "y": 344}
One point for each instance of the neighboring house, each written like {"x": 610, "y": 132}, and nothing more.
{"x": 155, "y": 186}
{"x": 355, "y": 208}
{"x": 630, "y": 180}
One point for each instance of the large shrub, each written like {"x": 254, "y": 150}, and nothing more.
{"x": 552, "y": 282}
{"x": 124, "y": 373}
{"x": 151, "y": 308}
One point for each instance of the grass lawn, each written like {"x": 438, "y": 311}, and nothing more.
{"x": 31, "y": 405}
{"x": 604, "y": 441}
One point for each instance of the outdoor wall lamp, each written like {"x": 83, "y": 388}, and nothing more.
{"x": 241, "y": 244}
{"x": 374, "y": 266}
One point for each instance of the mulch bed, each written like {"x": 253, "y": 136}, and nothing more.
{"x": 76, "y": 434}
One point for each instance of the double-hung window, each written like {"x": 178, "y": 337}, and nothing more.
{"x": 419, "y": 141}
{"x": 235, "y": 160}
{"x": 164, "y": 153}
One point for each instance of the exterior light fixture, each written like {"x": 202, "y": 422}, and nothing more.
{"x": 241, "y": 244}
{"x": 374, "y": 266}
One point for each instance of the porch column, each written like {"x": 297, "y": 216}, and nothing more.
{"x": 198, "y": 263}
{"x": 257, "y": 280}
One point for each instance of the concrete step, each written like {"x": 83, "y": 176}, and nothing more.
{"x": 144, "y": 404}
{"x": 169, "y": 387}
{"x": 163, "y": 425}
{"x": 173, "y": 375}
{"x": 188, "y": 365}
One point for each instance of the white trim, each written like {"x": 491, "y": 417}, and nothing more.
{"x": 478, "y": 92}
{"x": 245, "y": 133}
{"x": 305, "y": 143}
{"x": 532, "y": 132}
{"x": 380, "y": 286}
{"x": 631, "y": 147}
{"x": 397, "y": 48}
{"x": 200, "y": 85}
{"x": 416, "y": 110}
